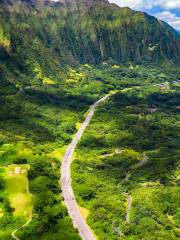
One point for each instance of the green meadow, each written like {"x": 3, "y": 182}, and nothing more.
{"x": 17, "y": 189}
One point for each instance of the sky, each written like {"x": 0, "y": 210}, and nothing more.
{"x": 168, "y": 11}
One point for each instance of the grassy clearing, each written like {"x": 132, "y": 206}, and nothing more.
{"x": 5, "y": 235}
{"x": 84, "y": 212}
{"x": 58, "y": 153}
{"x": 17, "y": 190}
{"x": 1, "y": 212}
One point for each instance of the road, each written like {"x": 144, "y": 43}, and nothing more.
{"x": 67, "y": 191}
{"x": 128, "y": 174}
{"x": 128, "y": 210}
{"x": 13, "y": 234}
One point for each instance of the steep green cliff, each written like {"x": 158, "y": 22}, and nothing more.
{"x": 38, "y": 37}
{"x": 79, "y": 31}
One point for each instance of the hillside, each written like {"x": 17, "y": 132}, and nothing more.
{"x": 125, "y": 171}
{"x": 38, "y": 37}
{"x": 84, "y": 31}
{"x": 56, "y": 60}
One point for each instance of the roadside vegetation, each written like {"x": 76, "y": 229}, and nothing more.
{"x": 45, "y": 92}
{"x": 135, "y": 125}
{"x": 38, "y": 118}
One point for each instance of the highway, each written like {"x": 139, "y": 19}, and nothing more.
{"x": 67, "y": 191}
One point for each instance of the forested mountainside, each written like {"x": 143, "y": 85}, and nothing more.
{"x": 37, "y": 37}
{"x": 58, "y": 58}
{"x": 77, "y": 31}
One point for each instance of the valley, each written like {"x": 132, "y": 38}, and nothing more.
{"x": 120, "y": 207}
{"x": 67, "y": 191}
{"x": 41, "y": 146}
{"x": 89, "y": 122}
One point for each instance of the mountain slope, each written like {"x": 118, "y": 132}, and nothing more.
{"x": 79, "y": 31}
{"x": 43, "y": 101}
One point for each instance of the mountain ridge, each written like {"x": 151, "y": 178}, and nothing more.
{"x": 93, "y": 32}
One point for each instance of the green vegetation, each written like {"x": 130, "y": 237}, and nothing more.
{"x": 133, "y": 123}
{"x": 37, "y": 123}
{"x": 17, "y": 190}
{"x": 47, "y": 83}
{"x": 11, "y": 216}
{"x": 38, "y": 39}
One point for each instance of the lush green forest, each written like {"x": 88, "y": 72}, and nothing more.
{"x": 56, "y": 60}
{"x": 37, "y": 122}
{"x": 139, "y": 125}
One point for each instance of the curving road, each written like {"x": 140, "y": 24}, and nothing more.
{"x": 128, "y": 210}
{"x": 128, "y": 174}
{"x": 13, "y": 234}
{"x": 67, "y": 191}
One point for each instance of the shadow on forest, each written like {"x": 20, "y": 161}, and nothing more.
{"x": 18, "y": 121}
{"x": 165, "y": 102}
{"x": 59, "y": 98}
{"x": 28, "y": 129}
{"x": 145, "y": 135}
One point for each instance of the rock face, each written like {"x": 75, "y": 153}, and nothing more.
{"x": 80, "y": 31}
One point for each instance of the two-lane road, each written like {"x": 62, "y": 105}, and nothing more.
{"x": 67, "y": 191}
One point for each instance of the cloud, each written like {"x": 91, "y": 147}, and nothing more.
{"x": 170, "y": 18}
{"x": 170, "y": 4}
{"x": 147, "y": 4}
{"x": 128, "y": 3}
{"x": 163, "y": 9}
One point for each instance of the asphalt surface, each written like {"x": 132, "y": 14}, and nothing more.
{"x": 128, "y": 174}
{"x": 67, "y": 191}
{"x": 128, "y": 211}
{"x": 13, "y": 235}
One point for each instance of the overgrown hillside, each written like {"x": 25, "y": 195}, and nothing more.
{"x": 83, "y": 31}
{"x": 37, "y": 123}
{"x": 126, "y": 169}
{"x": 56, "y": 59}
{"x": 38, "y": 37}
